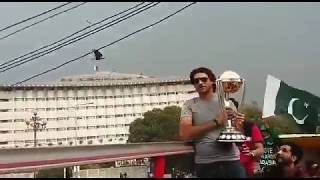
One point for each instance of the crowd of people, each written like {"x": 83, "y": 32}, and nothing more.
{"x": 261, "y": 155}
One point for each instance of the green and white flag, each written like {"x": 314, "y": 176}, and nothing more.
{"x": 299, "y": 106}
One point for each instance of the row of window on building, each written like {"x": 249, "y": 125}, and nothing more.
{"x": 66, "y": 128}
{"x": 90, "y": 107}
{"x": 93, "y": 97}
{"x": 78, "y": 117}
{"x": 102, "y": 139}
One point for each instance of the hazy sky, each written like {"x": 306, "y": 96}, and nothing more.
{"x": 253, "y": 39}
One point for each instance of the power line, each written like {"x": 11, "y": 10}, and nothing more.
{"x": 68, "y": 36}
{"x": 125, "y": 37}
{"x": 109, "y": 24}
{"x": 12, "y": 25}
{"x": 33, "y": 24}
{"x": 75, "y": 39}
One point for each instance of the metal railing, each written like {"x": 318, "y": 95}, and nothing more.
{"x": 31, "y": 159}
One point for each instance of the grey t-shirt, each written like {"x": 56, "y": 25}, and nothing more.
{"x": 207, "y": 150}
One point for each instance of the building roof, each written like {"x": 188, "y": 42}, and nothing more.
{"x": 103, "y": 76}
{"x": 105, "y": 79}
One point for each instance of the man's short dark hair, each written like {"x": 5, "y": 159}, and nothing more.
{"x": 295, "y": 151}
{"x": 207, "y": 71}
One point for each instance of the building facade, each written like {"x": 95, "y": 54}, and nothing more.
{"x": 87, "y": 109}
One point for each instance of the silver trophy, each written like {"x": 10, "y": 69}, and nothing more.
{"x": 230, "y": 91}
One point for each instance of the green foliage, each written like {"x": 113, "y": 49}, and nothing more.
{"x": 156, "y": 126}
{"x": 253, "y": 113}
{"x": 51, "y": 173}
{"x": 280, "y": 124}
{"x": 284, "y": 125}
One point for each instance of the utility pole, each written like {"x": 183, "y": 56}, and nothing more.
{"x": 76, "y": 169}
{"x": 36, "y": 124}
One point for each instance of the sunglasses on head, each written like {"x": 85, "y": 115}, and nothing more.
{"x": 197, "y": 80}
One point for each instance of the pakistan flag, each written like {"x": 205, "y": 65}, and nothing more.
{"x": 298, "y": 107}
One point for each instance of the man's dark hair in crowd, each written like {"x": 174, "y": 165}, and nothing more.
{"x": 288, "y": 158}
{"x": 207, "y": 71}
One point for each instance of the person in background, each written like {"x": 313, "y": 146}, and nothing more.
{"x": 252, "y": 149}
{"x": 287, "y": 166}
{"x": 271, "y": 146}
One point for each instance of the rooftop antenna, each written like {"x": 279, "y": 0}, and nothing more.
{"x": 97, "y": 56}
{"x": 96, "y": 68}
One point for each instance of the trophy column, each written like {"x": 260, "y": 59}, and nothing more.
{"x": 230, "y": 83}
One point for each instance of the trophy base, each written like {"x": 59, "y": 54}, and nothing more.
{"x": 231, "y": 135}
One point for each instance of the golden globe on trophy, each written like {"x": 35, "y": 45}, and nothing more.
{"x": 230, "y": 91}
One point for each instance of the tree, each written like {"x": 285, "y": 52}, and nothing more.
{"x": 161, "y": 125}
{"x": 51, "y": 173}
{"x": 157, "y": 125}
{"x": 253, "y": 113}
{"x": 281, "y": 124}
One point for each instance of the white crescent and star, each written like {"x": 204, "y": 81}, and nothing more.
{"x": 290, "y": 111}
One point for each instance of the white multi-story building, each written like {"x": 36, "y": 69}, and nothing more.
{"x": 87, "y": 109}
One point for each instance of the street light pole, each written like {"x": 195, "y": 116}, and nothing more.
{"x": 36, "y": 125}
{"x": 35, "y": 137}
{"x": 76, "y": 107}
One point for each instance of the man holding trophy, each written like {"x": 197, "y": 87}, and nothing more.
{"x": 203, "y": 120}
